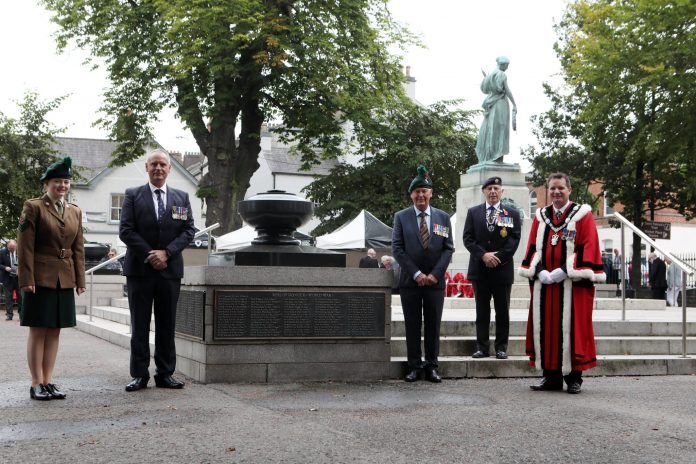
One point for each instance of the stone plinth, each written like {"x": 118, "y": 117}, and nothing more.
{"x": 275, "y": 324}
{"x": 470, "y": 194}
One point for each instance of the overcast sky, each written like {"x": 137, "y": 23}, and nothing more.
{"x": 461, "y": 36}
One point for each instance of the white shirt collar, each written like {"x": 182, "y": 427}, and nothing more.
{"x": 427, "y": 211}
{"x": 496, "y": 206}
{"x": 562, "y": 210}
{"x": 153, "y": 188}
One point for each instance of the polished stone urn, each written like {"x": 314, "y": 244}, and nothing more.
{"x": 275, "y": 215}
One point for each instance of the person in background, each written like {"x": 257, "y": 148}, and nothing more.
{"x": 369, "y": 261}
{"x": 674, "y": 283}
{"x": 51, "y": 268}
{"x": 8, "y": 277}
{"x": 657, "y": 277}
{"x": 389, "y": 263}
{"x": 114, "y": 265}
{"x": 563, "y": 263}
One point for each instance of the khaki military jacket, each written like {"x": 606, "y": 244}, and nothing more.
{"x": 51, "y": 248}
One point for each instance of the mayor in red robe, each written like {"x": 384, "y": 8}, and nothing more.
{"x": 563, "y": 262}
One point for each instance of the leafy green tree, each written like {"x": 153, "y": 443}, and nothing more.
{"x": 627, "y": 113}
{"x": 25, "y": 153}
{"x": 441, "y": 138}
{"x": 310, "y": 65}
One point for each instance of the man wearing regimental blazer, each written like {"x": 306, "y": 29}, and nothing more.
{"x": 491, "y": 234}
{"x": 422, "y": 245}
{"x": 156, "y": 226}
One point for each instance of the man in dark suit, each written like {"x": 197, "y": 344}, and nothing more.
{"x": 8, "y": 276}
{"x": 422, "y": 245}
{"x": 657, "y": 277}
{"x": 156, "y": 225}
{"x": 369, "y": 261}
{"x": 492, "y": 234}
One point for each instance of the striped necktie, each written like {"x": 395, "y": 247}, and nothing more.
{"x": 424, "y": 234}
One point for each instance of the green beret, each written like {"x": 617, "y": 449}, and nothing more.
{"x": 495, "y": 180}
{"x": 59, "y": 170}
{"x": 421, "y": 180}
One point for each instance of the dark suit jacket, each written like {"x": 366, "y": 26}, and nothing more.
{"x": 658, "y": 274}
{"x": 409, "y": 252}
{"x": 4, "y": 262}
{"x": 368, "y": 262}
{"x": 141, "y": 232}
{"x": 478, "y": 240}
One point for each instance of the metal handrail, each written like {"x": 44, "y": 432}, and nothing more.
{"x": 91, "y": 270}
{"x": 685, "y": 268}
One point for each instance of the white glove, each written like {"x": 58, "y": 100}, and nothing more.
{"x": 545, "y": 277}
{"x": 558, "y": 275}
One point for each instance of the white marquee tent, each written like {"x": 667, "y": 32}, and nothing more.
{"x": 365, "y": 231}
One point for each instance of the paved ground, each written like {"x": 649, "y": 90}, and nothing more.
{"x": 617, "y": 419}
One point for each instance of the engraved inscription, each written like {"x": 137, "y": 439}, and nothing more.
{"x": 287, "y": 314}
{"x": 190, "y": 310}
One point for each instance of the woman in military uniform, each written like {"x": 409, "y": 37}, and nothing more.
{"x": 51, "y": 245}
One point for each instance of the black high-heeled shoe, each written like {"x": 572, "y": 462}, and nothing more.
{"x": 55, "y": 392}
{"x": 39, "y": 393}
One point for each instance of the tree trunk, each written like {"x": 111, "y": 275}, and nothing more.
{"x": 231, "y": 165}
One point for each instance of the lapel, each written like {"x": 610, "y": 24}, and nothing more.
{"x": 48, "y": 205}
{"x": 146, "y": 196}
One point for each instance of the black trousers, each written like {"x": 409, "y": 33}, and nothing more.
{"x": 12, "y": 283}
{"x": 557, "y": 376}
{"x": 144, "y": 293}
{"x": 422, "y": 304}
{"x": 483, "y": 290}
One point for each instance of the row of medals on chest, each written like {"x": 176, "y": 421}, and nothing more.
{"x": 505, "y": 221}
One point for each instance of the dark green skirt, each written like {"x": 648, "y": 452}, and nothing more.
{"x": 49, "y": 307}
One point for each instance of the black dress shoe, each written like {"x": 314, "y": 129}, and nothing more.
{"x": 39, "y": 393}
{"x": 500, "y": 354}
{"x": 433, "y": 376}
{"x": 548, "y": 385}
{"x": 574, "y": 388}
{"x": 55, "y": 392}
{"x": 479, "y": 354}
{"x": 167, "y": 381}
{"x": 8, "y": 318}
{"x": 412, "y": 375}
{"x": 138, "y": 383}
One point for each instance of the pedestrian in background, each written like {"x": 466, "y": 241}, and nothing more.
{"x": 674, "y": 283}
{"x": 51, "y": 268}
{"x": 8, "y": 277}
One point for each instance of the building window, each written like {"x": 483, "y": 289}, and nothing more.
{"x": 116, "y": 204}
{"x": 532, "y": 203}
{"x": 608, "y": 210}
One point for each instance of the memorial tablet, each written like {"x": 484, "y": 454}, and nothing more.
{"x": 190, "y": 310}
{"x": 287, "y": 314}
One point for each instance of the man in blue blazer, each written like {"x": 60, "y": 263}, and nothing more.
{"x": 156, "y": 225}
{"x": 422, "y": 245}
{"x": 491, "y": 234}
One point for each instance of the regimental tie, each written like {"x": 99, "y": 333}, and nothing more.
{"x": 59, "y": 207}
{"x": 160, "y": 205}
{"x": 13, "y": 259}
{"x": 559, "y": 213}
{"x": 424, "y": 234}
